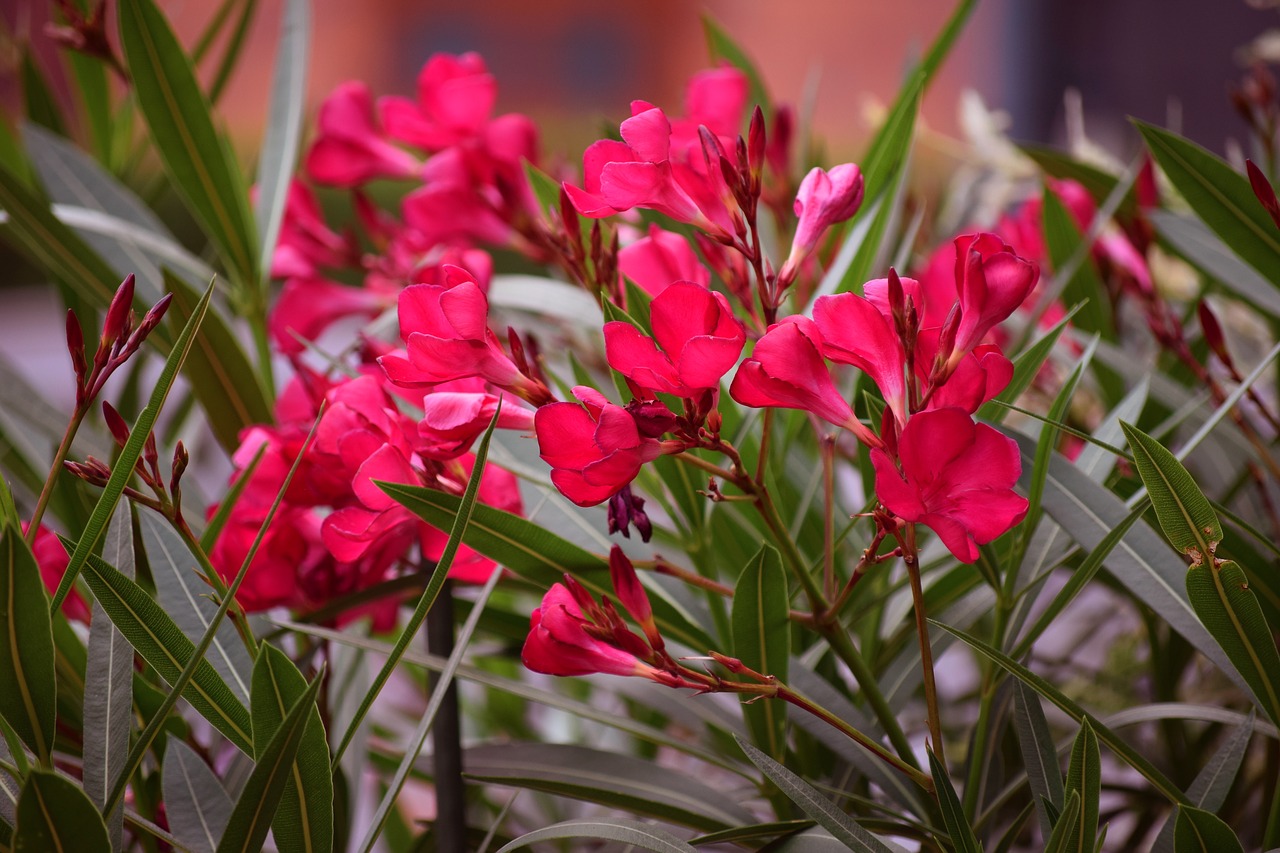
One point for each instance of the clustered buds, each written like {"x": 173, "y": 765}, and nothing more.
{"x": 119, "y": 341}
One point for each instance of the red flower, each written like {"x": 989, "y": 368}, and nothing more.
{"x": 558, "y": 642}
{"x": 699, "y": 337}
{"x": 658, "y": 259}
{"x": 452, "y": 420}
{"x": 596, "y": 450}
{"x": 350, "y": 149}
{"x": 456, "y": 94}
{"x": 991, "y": 282}
{"x": 956, "y": 478}
{"x": 52, "y": 559}
{"x": 854, "y": 331}
{"x": 787, "y": 369}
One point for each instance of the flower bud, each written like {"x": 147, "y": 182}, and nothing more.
{"x": 1264, "y": 191}
{"x": 652, "y": 417}
{"x": 116, "y": 323}
{"x": 75, "y": 346}
{"x": 627, "y": 586}
{"x": 825, "y": 198}
{"x": 1212, "y": 331}
{"x": 149, "y": 321}
{"x": 119, "y": 429}
{"x": 756, "y": 142}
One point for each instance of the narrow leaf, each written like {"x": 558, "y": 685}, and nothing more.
{"x": 153, "y": 634}
{"x": 1127, "y": 753}
{"x": 1220, "y": 196}
{"x": 536, "y": 554}
{"x": 197, "y": 159}
{"x": 1184, "y": 512}
{"x": 184, "y": 595}
{"x": 1222, "y": 599}
{"x": 256, "y": 807}
{"x": 1061, "y": 839}
{"x": 762, "y": 641}
{"x": 304, "y": 820}
{"x": 612, "y": 779}
{"x": 1084, "y": 777}
{"x": 108, "y": 685}
{"x": 962, "y": 837}
{"x": 1039, "y": 753}
{"x": 284, "y": 127}
{"x": 196, "y": 805}
{"x": 1209, "y": 789}
{"x": 1198, "y": 831}
{"x": 1084, "y": 287}
{"x": 637, "y": 835}
{"x": 841, "y": 826}
{"x": 28, "y": 699}
{"x": 54, "y": 814}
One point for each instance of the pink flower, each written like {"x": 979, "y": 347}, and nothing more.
{"x": 456, "y": 94}
{"x": 52, "y": 559}
{"x": 661, "y": 257}
{"x": 559, "y": 644}
{"x": 595, "y": 449}
{"x": 452, "y": 420}
{"x": 825, "y": 198}
{"x": 991, "y": 282}
{"x": 306, "y": 244}
{"x": 854, "y": 331}
{"x": 350, "y": 149}
{"x": 699, "y": 337}
{"x": 445, "y": 329}
{"x": 956, "y": 478}
{"x": 308, "y": 306}
{"x": 786, "y": 369}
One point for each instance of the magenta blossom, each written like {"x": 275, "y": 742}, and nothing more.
{"x": 659, "y": 258}
{"x": 597, "y": 448}
{"x": 351, "y": 149}
{"x": 855, "y": 332}
{"x": 696, "y": 340}
{"x": 786, "y": 369}
{"x": 956, "y": 478}
{"x": 453, "y": 419}
{"x": 559, "y": 643}
{"x": 456, "y": 94}
{"x": 991, "y": 282}
{"x": 824, "y": 199}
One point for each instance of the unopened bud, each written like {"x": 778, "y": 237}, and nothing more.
{"x": 622, "y": 636}
{"x": 119, "y": 312}
{"x": 584, "y": 600}
{"x": 149, "y": 322}
{"x": 652, "y": 417}
{"x": 1212, "y": 331}
{"x": 627, "y": 586}
{"x": 75, "y": 346}
{"x": 825, "y": 198}
{"x": 115, "y": 423}
{"x": 181, "y": 459}
{"x": 569, "y": 217}
{"x": 756, "y": 142}
{"x": 1264, "y": 191}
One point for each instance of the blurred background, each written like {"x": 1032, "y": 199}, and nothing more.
{"x": 574, "y": 65}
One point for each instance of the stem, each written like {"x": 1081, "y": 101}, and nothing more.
{"x": 804, "y": 703}
{"x": 446, "y": 735}
{"x": 236, "y": 612}
{"x": 852, "y": 658}
{"x": 790, "y": 553}
{"x": 828, "y": 444}
{"x": 766, "y": 429}
{"x": 911, "y": 558}
{"x": 710, "y": 467}
{"x": 46, "y": 493}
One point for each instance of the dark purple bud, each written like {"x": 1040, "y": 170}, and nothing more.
{"x": 756, "y": 142}
{"x": 118, "y": 313}
{"x": 1264, "y": 191}
{"x": 119, "y": 429}
{"x": 75, "y": 346}
{"x": 626, "y": 509}
{"x": 1212, "y": 331}
{"x": 652, "y": 417}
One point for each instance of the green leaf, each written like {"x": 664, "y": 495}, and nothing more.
{"x": 108, "y": 686}
{"x": 1125, "y": 752}
{"x": 535, "y": 554}
{"x": 197, "y": 159}
{"x": 54, "y": 814}
{"x": 220, "y": 372}
{"x": 841, "y": 826}
{"x": 284, "y": 128}
{"x": 1209, "y": 789}
{"x": 1222, "y": 599}
{"x": 1060, "y": 841}
{"x": 962, "y": 837}
{"x": 40, "y": 102}
{"x": 1039, "y": 753}
{"x": 153, "y": 634}
{"x": 1084, "y": 777}
{"x": 28, "y": 700}
{"x": 1220, "y": 196}
{"x": 1096, "y": 182}
{"x": 256, "y": 808}
{"x": 33, "y": 230}
{"x": 612, "y": 779}
{"x": 1197, "y": 244}
{"x": 196, "y": 805}
{"x": 122, "y": 469}
{"x": 722, "y": 48}
{"x": 545, "y": 188}
{"x": 762, "y": 641}
{"x": 1199, "y": 831}
{"x": 439, "y": 573}
{"x": 1025, "y": 367}
{"x": 1183, "y": 511}
{"x": 304, "y": 819}
{"x": 184, "y": 595}
{"x": 637, "y": 835}
{"x": 1084, "y": 287}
